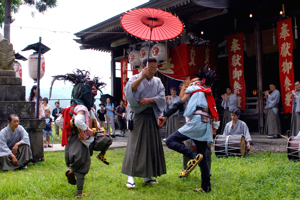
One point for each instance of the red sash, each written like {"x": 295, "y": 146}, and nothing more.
{"x": 67, "y": 129}
{"x": 210, "y": 101}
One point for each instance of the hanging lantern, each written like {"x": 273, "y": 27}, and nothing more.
{"x": 160, "y": 52}
{"x": 32, "y": 66}
{"x": 134, "y": 58}
{"x": 144, "y": 53}
{"x": 18, "y": 69}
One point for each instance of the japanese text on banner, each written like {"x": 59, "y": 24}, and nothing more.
{"x": 236, "y": 67}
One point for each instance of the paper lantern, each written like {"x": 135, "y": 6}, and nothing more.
{"x": 18, "y": 69}
{"x": 144, "y": 53}
{"x": 32, "y": 66}
{"x": 134, "y": 58}
{"x": 160, "y": 52}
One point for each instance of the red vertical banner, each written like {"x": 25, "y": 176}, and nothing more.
{"x": 286, "y": 70}
{"x": 135, "y": 70}
{"x": 124, "y": 64}
{"x": 235, "y": 50}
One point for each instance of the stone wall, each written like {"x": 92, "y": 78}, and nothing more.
{"x": 12, "y": 100}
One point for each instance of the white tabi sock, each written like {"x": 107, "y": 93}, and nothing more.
{"x": 130, "y": 179}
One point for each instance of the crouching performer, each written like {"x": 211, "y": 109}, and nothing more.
{"x": 77, "y": 135}
{"x": 199, "y": 109}
{"x": 15, "y": 150}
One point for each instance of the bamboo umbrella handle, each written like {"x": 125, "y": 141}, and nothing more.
{"x": 284, "y": 137}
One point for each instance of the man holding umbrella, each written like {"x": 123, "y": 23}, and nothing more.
{"x": 144, "y": 155}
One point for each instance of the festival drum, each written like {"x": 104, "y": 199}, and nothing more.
{"x": 293, "y": 148}
{"x": 231, "y": 145}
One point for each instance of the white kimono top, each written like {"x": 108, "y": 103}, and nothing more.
{"x": 147, "y": 89}
{"x": 8, "y": 139}
{"x": 231, "y": 103}
{"x": 240, "y": 128}
{"x": 273, "y": 100}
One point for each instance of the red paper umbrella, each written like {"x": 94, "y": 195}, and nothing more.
{"x": 151, "y": 24}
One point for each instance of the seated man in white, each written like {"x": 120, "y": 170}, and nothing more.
{"x": 15, "y": 150}
{"x": 237, "y": 127}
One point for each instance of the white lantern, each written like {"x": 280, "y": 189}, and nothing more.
{"x": 144, "y": 53}
{"x": 134, "y": 58}
{"x": 32, "y": 66}
{"x": 18, "y": 69}
{"x": 160, "y": 52}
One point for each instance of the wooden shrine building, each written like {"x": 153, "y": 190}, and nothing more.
{"x": 208, "y": 25}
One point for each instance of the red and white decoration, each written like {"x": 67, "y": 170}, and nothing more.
{"x": 32, "y": 66}
{"x": 286, "y": 70}
{"x": 134, "y": 58}
{"x": 144, "y": 53}
{"x": 124, "y": 79}
{"x": 18, "y": 69}
{"x": 235, "y": 50}
{"x": 160, "y": 52}
{"x": 184, "y": 60}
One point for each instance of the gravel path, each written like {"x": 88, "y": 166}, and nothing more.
{"x": 258, "y": 147}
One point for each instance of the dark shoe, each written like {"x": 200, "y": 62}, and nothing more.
{"x": 151, "y": 182}
{"x": 71, "y": 177}
{"x": 50, "y": 146}
{"x": 112, "y": 136}
{"x": 102, "y": 158}
{"x": 271, "y": 136}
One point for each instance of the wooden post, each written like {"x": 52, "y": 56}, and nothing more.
{"x": 259, "y": 54}
{"x": 113, "y": 72}
{"x": 38, "y": 80}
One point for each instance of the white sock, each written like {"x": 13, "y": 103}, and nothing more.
{"x": 130, "y": 179}
{"x": 147, "y": 179}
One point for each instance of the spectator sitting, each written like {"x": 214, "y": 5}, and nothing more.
{"x": 237, "y": 127}
{"x": 48, "y": 130}
{"x": 56, "y": 112}
{"x": 15, "y": 150}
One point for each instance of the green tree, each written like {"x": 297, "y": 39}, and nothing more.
{"x": 8, "y": 7}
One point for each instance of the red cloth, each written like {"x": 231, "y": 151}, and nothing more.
{"x": 286, "y": 68}
{"x": 66, "y": 125}
{"x": 235, "y": 49}
{"x": 210, "y": 101}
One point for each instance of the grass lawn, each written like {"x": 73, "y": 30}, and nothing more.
{"x": 259, "y": 176}
{"x": 55, "y": 140}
